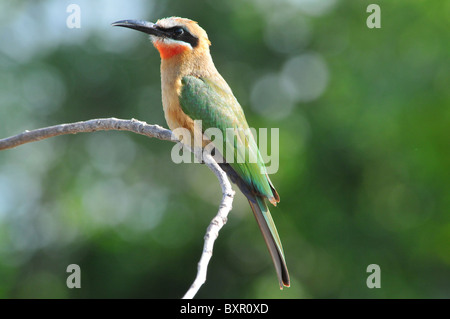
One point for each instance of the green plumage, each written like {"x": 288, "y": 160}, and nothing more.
{"x": 214, "y": 104}
{"x": 212, "y": 101}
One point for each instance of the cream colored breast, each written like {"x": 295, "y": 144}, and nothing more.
{"x": 171, "y": 74}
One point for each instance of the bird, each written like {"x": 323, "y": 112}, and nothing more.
{"x": 192, "y": 89}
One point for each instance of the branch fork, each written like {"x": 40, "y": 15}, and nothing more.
{"x": 153, "y": 131}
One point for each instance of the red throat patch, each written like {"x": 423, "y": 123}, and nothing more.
{"x": 167, "y": 51}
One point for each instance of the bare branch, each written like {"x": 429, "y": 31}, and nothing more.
{"x": 155, "y": 131}
{"x": 214, "y": 227}
{"x": 107, "y": 124}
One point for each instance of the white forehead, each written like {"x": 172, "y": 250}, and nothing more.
{"x": 170, "y": 22}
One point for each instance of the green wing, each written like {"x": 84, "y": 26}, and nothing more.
{"x": 213, "y": 102}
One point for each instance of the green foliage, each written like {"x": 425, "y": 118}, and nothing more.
{"x": 364, "y": 153}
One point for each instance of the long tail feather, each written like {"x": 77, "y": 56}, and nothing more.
{"x": 270, "y": 234}
{"x": 265, "y": 223}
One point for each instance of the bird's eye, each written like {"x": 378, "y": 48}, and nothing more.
{"x": 178, "y": 31}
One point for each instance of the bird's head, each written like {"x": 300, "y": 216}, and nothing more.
{"x": 171, "y": 36}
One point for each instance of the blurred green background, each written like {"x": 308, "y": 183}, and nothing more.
{"x": 364, "y": 120}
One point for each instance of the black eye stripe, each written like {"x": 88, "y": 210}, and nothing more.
{"x": 180, "y": 34}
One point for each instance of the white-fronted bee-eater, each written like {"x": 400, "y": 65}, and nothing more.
{"x": 193, "y": 89}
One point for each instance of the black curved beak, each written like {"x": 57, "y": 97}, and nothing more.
{"x": 140, "y": 25}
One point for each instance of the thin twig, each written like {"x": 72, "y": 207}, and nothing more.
{"x": 155, "y": 131}
{"x": 214, "y": 227}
